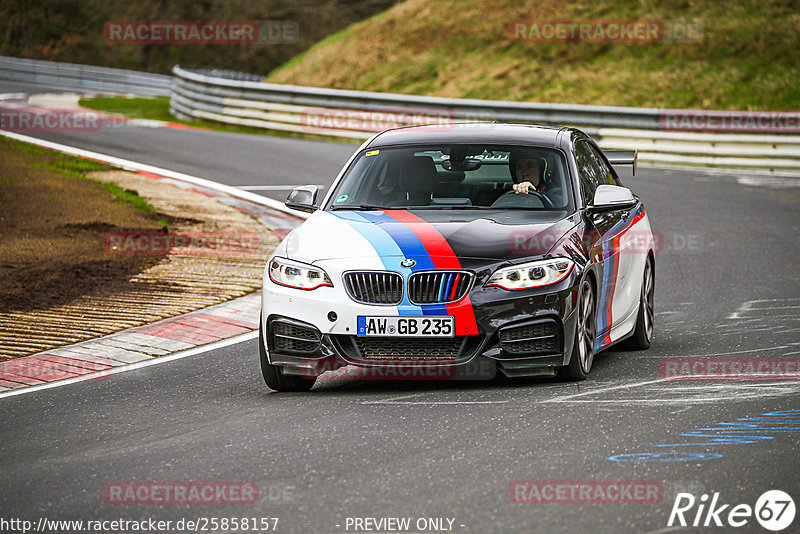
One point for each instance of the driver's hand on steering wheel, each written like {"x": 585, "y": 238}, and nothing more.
{"x": 523, "y": 187}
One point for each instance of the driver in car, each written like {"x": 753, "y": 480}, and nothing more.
{"x": 527, "y": 174}
{"x": 530, "y": 174}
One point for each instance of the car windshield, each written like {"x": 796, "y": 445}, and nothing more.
{"x": 454, "y": 176}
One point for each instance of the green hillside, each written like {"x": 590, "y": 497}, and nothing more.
{"x": 73, "y": 30}
{"x": 748, "y": 57}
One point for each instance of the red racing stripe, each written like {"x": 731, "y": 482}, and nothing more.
{"x": 615, "y": 259}
{"x": 615, "y": 255}
{"x": 443, "y": 258}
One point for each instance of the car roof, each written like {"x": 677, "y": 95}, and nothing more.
{"x": 475, "y": 132}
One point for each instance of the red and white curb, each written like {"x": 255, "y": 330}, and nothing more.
{"x": 97, "y": 358}
{"x": 54, "y": 112}
{"x": 179, "y": 337}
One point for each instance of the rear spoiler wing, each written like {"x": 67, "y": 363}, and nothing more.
{"x": 622, "y": 157}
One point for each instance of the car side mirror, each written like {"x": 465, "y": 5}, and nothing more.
{"x": 611, "y": 197}
{"x": 303, "y": 198}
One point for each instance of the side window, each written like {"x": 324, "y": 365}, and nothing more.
{"x": 590, "y": 174}
{"x": 607, "y": 174}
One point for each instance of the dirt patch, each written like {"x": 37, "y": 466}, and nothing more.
{"x": 77, "y": 262}
{"x": 51, "y": 232}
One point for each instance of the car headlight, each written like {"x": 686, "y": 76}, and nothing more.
{"x": 297, "y": 275}
{"x": 532, "y": 274}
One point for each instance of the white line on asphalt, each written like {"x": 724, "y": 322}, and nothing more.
{"x": 401, "y": 400}
{"x": 135, "y": 166}
{"x": 766, "y": 181}
{"x": 13, "y": 96}
{"x": 138, "y": 365}
{"x": 656, "y": 402}
{"x": 664, "y": 530}
{"x": 774, "y": 300}
{"x": 727, "y": 353}
{"x": 434, "y": 402}
{"x": 603, "y": 390}
{"x": 713, "y": 392}
{"x": 406, "y": 396}
{"x": 661, "y": 356}
{"x": 268, "y": 187}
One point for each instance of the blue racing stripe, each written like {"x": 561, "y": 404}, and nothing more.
{"x": 602, "y": 308}
{"x": 609, "y": 258}
{"x": 386, "y": 248}
{"x": 411, "y": 246}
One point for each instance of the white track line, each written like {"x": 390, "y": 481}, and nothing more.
{"x": 428, "y": 403}
{"x": 603, "y": 390}
{"x": 406, "y": 396}
{"x": 13, "y": 96}
{"x": 134, "y": 166}
{"x": 268, "y": 187}
{"x": 401, "y": 400}
{"x": 138, "y": 365}
{"x": 777, "y": 347}
{"x": 665, "y": 530}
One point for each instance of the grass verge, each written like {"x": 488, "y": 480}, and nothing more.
{"x": 52, "y": 227}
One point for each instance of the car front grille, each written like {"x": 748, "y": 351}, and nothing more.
{"x": 408, "y": 348}
{"x": 360, "y": 348}
{"x": 294, "y": 338}
{"x": 438, "y": 287}
{"x": 541, "y": 337}
{"x": 374, "y": 287}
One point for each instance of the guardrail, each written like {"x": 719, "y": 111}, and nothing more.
{"x": 80, "y": 77}
{"x": 233, "y": 98}
{"x": 241, "y": 99}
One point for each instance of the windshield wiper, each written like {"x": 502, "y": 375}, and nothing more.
{"x": 362, "y": 207}
{"x": 437, "y": 207}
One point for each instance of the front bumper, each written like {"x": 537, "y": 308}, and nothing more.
{"x": 520, "y": 333}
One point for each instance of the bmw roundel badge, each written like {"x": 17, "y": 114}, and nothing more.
{"x": 408, "y": 262}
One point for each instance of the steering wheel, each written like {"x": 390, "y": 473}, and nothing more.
{"x": 516, "y": 200}
{"x": 545, "y": 200}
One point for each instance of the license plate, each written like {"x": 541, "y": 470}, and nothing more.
{"x": 406, "y": 326}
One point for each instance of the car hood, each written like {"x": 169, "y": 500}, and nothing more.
{"x": 425, "y": 236}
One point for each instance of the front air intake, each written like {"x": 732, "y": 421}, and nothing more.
{"x": 438, "y": 287}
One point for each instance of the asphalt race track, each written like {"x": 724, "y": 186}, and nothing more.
{"x": 726, "y": 286}
{"x": 233, "y": 159}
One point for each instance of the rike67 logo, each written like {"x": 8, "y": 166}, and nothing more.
{"x": 774, "y": 510}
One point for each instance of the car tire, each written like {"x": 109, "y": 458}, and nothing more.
{"x": 580, "y": 362}
{"x": 273, "y": 374}
{"x": 643, "y": 333}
